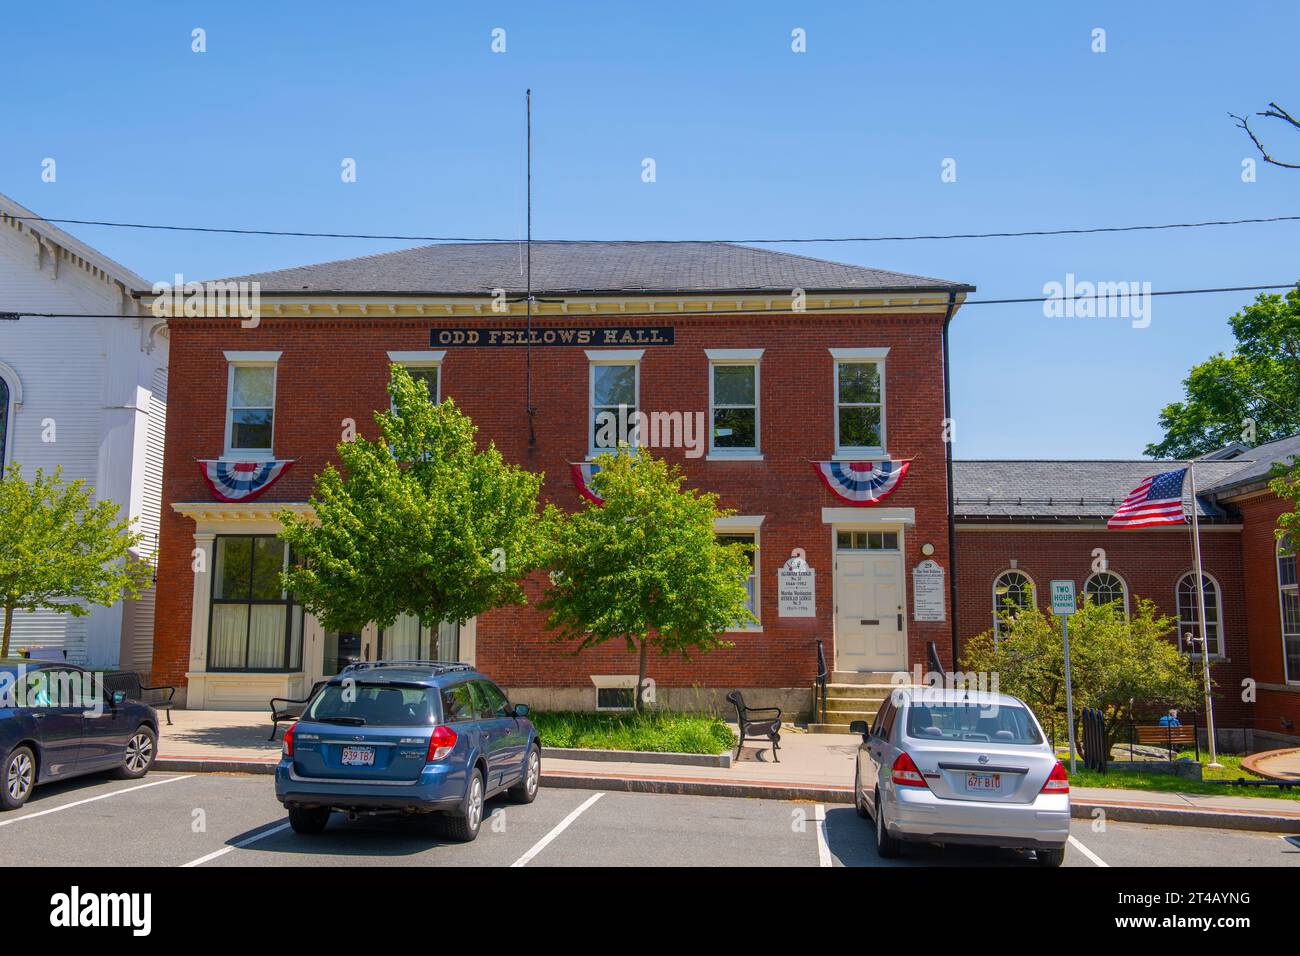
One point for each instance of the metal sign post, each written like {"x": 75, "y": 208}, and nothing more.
{"x": 1063, "y": 605}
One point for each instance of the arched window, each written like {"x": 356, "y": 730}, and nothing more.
{"x": 1105, "y": 587}
{"x": 1189, "y": 614}
{"x": 1013, "y": 591}
{"x": 4, "y": 422}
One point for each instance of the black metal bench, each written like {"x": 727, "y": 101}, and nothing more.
{"x": 131, "y": 684}
{"x": 291, "y": 708}
{"x": 755, "y": 727}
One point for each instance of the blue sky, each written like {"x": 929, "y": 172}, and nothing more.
{"x": 749, "y": 138}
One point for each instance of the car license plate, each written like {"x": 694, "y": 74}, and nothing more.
{"x": 358, "y": 756}
{"x": 983, "y": 781}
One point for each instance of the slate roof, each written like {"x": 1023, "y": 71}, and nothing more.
{"x": 1070, "y": 490}
{"x": 587, "y": 267}
{"x": 1264, "y": 457}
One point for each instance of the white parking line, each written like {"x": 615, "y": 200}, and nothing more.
{"x": 1086, "y": 852}
{"x": 560, "y": 827}
{"x": 103, "y": 796}
{"x": 236, "y": 846}
{"x": 823, "y": 848}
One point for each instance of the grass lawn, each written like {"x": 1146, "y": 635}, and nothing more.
{"x": 657, "y": 731}
{"x": 1212, "y": 785}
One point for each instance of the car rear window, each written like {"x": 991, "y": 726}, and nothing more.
{"x": 389, "y": 705}
{"x": 1000, "y": 723}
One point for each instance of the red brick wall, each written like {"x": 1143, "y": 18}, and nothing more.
{"x": 1263, "y": 615}
{"x": 333, "y": 369}
{"x": 1150, "y": 562}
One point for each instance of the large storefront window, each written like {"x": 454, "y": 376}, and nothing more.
{"x": 409, "y": 640}
{"x": 255, "y": 626}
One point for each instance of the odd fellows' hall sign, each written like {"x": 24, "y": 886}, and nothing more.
{"x": 578, "y": 335}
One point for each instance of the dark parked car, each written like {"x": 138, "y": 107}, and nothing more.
{"x": 57, "y": 721}
{"x": 408, "y": 737}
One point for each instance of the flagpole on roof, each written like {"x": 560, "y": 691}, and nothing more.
{"x": 1200, "y": 616}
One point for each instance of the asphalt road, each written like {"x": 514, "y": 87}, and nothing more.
{"x": 213, "y": 820}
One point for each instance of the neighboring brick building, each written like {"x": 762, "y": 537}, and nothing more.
{"x": 692, "y": 324}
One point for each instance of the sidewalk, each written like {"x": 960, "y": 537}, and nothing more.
{"x": 816, "y": 767}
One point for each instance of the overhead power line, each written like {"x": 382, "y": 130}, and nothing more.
{"x": 301, "y": 234}
{"x": 889, "y": 307}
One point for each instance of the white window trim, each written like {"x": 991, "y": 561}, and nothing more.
{"x": 747, "y": 524}
{"x": 249, "y": 360}
{"x": 872, "y": 356}
{"x": 997, "y": 608}
{"x": 1291, "y": 680}
{"x": 1218, "y": 619}
{"x": 742, "y": 357}
{"x": 597, "y": 357}
{"x": 9, "y": 413}
{"x": 425, "y": 359}
{"x": 1118, "y": 577}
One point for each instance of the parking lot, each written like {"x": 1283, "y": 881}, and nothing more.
{"x": 215, "y": 820}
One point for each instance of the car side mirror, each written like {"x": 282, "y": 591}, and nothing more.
{"x": 859, "y": 727}
{"x": 119, "y": 696}
{"x": 521, "y": 710}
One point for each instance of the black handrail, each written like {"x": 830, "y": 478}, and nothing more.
{"x": 932, "y": 655}
{"x": 822, "y": 674}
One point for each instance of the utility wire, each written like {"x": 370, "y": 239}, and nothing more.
{"x": 723, "y": 313}
{"x": 287, "y": 233}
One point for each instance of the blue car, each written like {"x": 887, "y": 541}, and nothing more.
{"x": 407, "y": 737}
{"x": 57, "y": 721}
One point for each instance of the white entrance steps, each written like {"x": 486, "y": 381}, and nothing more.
{"x": 850, "y": 696}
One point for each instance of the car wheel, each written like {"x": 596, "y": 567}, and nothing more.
{"x": 464, "y": 824}
{"x": 141, "y": 749}
{"x": 525, "y": 791}
{"x": 858, "y": 803}
{"x": 308, "y": 820}
{"x": 1054, "y": 857}
{"x": 887, "y": 847}
{"x": 17, "y": 778}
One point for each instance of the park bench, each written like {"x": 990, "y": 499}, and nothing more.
{"x": 131, "y": 684}
{"x": 291, "y": 708}
{"x": 1160, "y": 735}
{"x": 768, "y": 726}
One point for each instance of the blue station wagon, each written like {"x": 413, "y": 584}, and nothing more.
{"x": 407, "y": 737}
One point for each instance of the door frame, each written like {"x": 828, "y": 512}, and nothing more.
{"x": 868, "y": 524}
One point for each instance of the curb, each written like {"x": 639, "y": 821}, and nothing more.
{"x": 1186, "y": 817}
{"x": 212, "y": 765}
{"x": 697, "y": 788}
{"x": 722, "y": 761}
{"x": 1251, "y": 764}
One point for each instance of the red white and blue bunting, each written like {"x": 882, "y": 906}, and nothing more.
{"x": 241, "y": 480}
{"x": 861, "y": 483}
{"x": 583, "y": 472}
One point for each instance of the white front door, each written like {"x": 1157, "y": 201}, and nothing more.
{"x": 870, "y": 626}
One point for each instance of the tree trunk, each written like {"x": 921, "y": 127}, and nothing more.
{"x": 640, "y": 678}
{"x": 9, "y": 622}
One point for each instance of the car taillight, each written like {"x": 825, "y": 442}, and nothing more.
{"x": 905, "y": 773}
{"x": 1058, "y": 781}
{"x": 287, "y": 750}
{"x": 441, "y": 743}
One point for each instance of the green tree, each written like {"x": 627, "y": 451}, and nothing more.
{"x": 1117, "y": 664}
{"x": 1286, "y": 485}
{"x": 61, "y": 550}
{"x": 418, "y": 522}
{"x": 1254, "y": 393}
{"x": 645, "y": 566}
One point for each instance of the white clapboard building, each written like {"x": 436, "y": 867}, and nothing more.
{"x": 85, "y": 389}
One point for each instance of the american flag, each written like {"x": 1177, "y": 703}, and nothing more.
{"x": 1158, "y": 500}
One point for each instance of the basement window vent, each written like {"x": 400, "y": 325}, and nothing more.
{"x": 615, "y": 698}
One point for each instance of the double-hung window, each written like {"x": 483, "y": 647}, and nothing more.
{"x": 1189, "y": 614}
{"x": 255, "y": 624}
{"x": 859, "y": 402}
{"x": 424, "y": 367}
{"x": 733, "y": 403}
{"x": 250, "y": 404}
{"x": 744, "y": 529}
{"x": 614, "y": 398}
{"x": 1289, "y": 595}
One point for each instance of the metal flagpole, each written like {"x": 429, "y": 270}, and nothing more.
{"x": 1200, "y": 613}
{"x": 528, "y": 280}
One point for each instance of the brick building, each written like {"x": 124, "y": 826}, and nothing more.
{"x": 794, "y": 360}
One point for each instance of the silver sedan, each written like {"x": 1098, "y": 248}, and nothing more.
{"x": 953, "y": 766}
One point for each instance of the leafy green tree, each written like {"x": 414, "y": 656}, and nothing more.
{"x": 1252, "y": 394}
{"x": 645, "y": 567}
{"x": 61, "y": 550}
{"x": 1117, "y": 664}
{"x": 1286, "y": 485}
{"x": 418, "y": 522}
